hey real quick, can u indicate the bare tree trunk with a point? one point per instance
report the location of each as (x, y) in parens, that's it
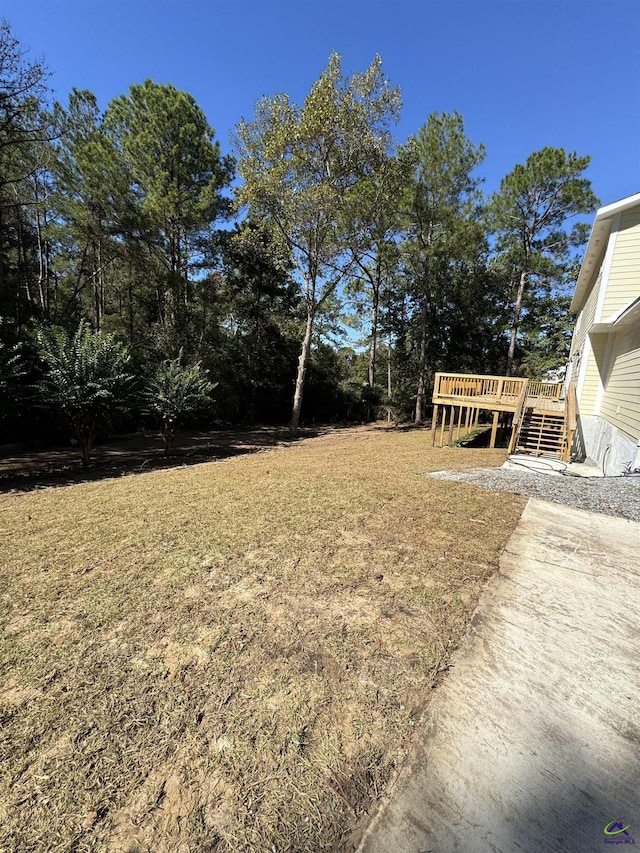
(302, 369)
(373, 344)
(422, 374)
(84, 433)
(172, 290)
(23, 273)
(100, 281)
(95, 279)
(96, 301)
(48, 277)
(169, 433)
(43, 269)
(43, 272)
(516, 321)
(389, 388)
(130, 307)
(374, 326)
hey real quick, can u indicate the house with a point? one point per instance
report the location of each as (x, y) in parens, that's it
(605, 350)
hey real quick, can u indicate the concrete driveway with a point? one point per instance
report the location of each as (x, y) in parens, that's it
(533, 741)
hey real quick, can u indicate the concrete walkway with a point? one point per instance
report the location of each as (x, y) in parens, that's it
(533, 741)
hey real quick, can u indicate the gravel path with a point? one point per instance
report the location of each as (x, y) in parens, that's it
(618, 496)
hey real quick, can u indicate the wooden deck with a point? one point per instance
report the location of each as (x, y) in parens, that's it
(497, 393)
(546, 411)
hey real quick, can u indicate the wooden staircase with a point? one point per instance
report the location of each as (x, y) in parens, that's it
(546, 433)
(542, 434)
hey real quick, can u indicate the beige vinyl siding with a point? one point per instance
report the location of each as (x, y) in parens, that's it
(585, 319)
(623, 285)
(595, 366)
(621, 400)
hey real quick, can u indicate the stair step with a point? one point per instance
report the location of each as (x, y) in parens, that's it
(542, 434)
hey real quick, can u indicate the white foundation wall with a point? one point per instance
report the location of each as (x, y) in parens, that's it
(607, 447)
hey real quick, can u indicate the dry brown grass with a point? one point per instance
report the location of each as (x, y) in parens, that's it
(232, 656)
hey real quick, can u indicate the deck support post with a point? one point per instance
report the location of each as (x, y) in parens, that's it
(504, 416)
(459, 422)
(466, 418)
(494, 429)
(434, 425)
(514, 433)
(452, 421)
(444, 421)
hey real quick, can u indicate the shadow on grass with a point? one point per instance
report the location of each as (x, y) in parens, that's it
(404, 426)
(137, 454)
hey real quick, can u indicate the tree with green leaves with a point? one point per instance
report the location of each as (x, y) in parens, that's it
(375, 219)
(299, 165)
(176, 390)
(529, 216)
(544, 338)
(27, 128)
(258, 336)
(94, 203)
(86, 377)
(179, 176)
(445, 235)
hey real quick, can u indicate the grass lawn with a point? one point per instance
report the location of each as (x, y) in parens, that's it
(232, 656)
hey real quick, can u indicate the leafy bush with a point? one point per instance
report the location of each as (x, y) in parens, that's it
(175, 391)
(86, 378)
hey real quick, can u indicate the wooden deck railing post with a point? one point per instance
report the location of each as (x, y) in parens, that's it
(437, 380)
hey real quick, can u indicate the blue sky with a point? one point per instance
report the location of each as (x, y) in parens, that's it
(524, 73)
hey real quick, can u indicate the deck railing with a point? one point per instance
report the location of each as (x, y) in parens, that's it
(549, 390)
(468, 386)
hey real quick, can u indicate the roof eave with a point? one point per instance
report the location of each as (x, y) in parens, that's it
(599, 232)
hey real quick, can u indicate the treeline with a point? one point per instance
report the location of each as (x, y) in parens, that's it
(132, 226)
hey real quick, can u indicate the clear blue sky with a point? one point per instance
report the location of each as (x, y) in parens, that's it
(524, 73)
